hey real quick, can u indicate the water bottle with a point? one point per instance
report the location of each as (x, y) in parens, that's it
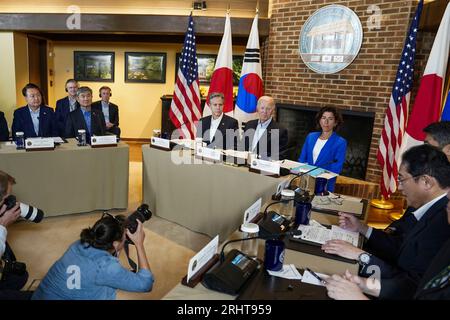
(82, 137)
(250, 247)
(286, 207)
(20, 140)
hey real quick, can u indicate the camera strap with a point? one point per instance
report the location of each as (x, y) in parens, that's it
(132, 264)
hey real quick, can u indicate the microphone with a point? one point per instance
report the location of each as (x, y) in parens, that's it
(299, 175)
(270, 236)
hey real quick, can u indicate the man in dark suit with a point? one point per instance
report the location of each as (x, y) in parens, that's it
(414, 240)
(35, 119)
(434, 285)
(110, 110)
(4, 131)
(66, 105)
(218, 130)
(85, 117)
(264, 136)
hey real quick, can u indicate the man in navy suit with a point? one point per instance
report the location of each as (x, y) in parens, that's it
(66, 105)
(264, 136)
(110, 110)
(85, 117)
(4, 131)
(410, 243)
(218, 129)
(35, 119)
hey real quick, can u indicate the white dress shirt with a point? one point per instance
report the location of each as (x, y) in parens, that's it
(35, 119)
(214, 125)
(105, 109)
(317, 148)
(259, 132)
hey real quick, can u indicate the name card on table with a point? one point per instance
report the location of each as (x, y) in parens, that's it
(208, 153)
(202, 257)
(160, 143)
(103, 141)
(252, 211)
(265, 166)
(36, 144)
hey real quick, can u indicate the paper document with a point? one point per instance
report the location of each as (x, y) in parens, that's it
(57, 140)
(336, 203)
(289, 164)
(187, 143)
(235, 153)
(321, 234)
(289, 271)
(309, 278)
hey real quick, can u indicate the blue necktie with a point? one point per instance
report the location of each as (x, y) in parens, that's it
(87, 119)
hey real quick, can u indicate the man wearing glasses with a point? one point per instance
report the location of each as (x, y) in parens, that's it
(410, 243)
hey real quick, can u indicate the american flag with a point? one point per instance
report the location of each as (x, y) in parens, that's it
(397, 112)
(185, 109)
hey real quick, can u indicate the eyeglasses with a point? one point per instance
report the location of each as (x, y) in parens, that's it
(400, 181)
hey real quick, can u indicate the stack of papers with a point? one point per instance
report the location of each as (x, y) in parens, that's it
(321, 234)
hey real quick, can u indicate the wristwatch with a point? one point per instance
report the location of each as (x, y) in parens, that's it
(364, 258)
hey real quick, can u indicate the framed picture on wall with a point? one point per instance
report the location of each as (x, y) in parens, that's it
(93, 66)
(147, 67)
(206, 64)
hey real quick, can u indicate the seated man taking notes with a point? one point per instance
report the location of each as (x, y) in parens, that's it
(409, 244)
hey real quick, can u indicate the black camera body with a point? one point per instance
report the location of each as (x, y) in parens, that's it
(27, 212)
(142, 214)
(12, 267)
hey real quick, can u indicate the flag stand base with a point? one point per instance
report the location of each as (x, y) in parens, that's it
(382, 204)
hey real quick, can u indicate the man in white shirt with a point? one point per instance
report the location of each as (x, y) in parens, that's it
(110, 110)
(264, 136)
(218, 130)
(410, 243)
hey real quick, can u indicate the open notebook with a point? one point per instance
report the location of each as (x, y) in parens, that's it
(319, 234)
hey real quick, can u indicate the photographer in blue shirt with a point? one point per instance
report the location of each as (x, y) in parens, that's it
(90, 268)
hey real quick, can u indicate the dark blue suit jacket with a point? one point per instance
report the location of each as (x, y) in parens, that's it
(75, 121)
(61, 113)
(407, 253)
(334, 149)
(22, 122)
(4, 131)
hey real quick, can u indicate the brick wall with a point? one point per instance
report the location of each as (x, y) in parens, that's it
(365, 85)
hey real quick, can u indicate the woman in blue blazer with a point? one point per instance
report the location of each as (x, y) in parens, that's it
(325, 148)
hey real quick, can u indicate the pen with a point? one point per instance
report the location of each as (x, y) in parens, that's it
(315, 275)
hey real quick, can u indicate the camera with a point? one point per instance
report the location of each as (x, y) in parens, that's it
(12, 267)
(142, 214)
(27, 212)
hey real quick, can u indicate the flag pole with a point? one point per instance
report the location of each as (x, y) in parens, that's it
(257, 7)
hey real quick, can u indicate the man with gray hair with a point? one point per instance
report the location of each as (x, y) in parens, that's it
(264, 136)
(85, 117)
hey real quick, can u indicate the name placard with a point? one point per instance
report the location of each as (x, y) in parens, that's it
(39, 144)
(208, 153)
(103, 141)
(160, 143)
(265, 166)
(202, 257)
(252, 211)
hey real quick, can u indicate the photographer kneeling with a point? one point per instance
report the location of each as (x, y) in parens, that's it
(90, 268)
(11, 280)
